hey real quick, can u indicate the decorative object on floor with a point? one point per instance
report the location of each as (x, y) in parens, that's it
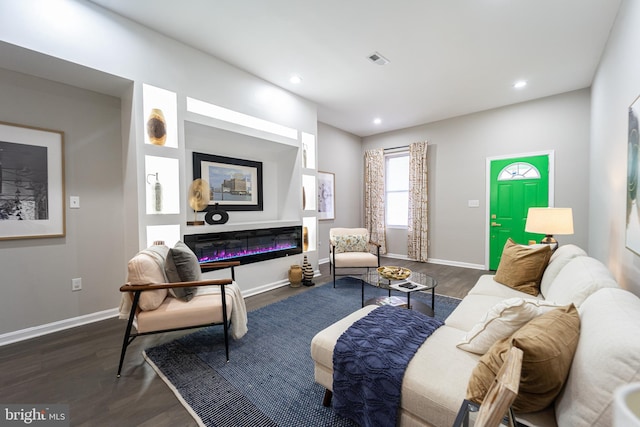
(269, 381)
(295, 276)
(157, 192)
(326, 196)
(236, 183)
(199, 195)
(394, 273)
(157, 127)
(307, 273)
(33, 203)
(216, 215)
(549, 221)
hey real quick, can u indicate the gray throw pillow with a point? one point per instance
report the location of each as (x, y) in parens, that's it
(182, 265)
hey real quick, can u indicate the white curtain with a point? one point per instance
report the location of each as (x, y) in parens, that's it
(374, 211)
(418, 206)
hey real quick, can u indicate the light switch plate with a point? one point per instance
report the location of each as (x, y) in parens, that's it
(474, 203)
(74, 202)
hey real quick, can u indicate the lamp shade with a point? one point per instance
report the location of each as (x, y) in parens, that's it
(549, 221)
(626, 406)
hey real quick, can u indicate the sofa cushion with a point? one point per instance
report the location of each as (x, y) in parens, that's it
(548, 343)
(350, 243)
(501, 321)
(145, 268)
(182, 266)
(608, 356)
(487, 286)
(558, 260)
(581, 277)
(521, 266)
(470, 311)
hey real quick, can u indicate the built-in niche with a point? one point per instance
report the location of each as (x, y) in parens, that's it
(280, 172)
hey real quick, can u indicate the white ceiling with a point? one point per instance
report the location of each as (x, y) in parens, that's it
(448, 57)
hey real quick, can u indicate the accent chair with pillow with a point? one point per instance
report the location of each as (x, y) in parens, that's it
(351, 248)
(165, 292)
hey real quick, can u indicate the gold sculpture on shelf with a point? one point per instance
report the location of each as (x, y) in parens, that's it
(199, 196)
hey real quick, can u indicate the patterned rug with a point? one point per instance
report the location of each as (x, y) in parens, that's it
(269, 378)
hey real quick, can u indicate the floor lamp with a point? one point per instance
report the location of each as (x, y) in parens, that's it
(549, 221)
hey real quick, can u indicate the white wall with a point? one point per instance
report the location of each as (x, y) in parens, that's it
(458, 151)
(340, 153)
(616, 86)
(36, 273)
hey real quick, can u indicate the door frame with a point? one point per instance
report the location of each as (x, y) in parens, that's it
(552, 172)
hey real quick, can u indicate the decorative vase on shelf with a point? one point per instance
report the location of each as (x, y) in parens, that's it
(307, 273)
(305, 238)
(157, 127)
(295, 276)
(157, 193)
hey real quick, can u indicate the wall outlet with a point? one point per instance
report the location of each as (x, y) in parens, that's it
(76, 285)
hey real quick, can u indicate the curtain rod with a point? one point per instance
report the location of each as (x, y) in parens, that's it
(399, 147)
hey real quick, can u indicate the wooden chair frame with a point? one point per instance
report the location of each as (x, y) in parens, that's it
(137, 290)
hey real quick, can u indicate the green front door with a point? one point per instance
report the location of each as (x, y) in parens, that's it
(516, 185)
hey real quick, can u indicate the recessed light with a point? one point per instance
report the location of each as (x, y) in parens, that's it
(295, 79)
(377, 120)
(520, 84)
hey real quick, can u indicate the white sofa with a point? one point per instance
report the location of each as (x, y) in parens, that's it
(607, 354)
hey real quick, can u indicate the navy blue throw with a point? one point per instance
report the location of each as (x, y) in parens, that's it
(369, 361)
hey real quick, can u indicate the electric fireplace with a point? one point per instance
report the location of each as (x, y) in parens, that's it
(246, 246)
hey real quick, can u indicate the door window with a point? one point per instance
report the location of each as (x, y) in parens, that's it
(519, 170)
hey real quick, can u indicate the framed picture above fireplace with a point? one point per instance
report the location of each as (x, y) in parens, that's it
(236, 184)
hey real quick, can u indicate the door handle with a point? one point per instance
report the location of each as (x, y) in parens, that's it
(495, 224)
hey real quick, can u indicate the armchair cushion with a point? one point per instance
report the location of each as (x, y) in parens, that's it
(146, 268)
(350, 243)
(182, 266)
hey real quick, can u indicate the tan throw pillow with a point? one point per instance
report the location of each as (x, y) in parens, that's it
(548, 343)
(521, 267)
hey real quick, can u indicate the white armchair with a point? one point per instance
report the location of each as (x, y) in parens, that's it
(351, 248)
(163, 293)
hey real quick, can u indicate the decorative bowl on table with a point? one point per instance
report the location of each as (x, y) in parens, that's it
(394, 273)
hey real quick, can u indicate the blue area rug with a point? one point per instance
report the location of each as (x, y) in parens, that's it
(269, 378)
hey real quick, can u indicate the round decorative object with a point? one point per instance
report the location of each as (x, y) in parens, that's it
(394, 273)
(157, 127)
(199, 196)
(216, 216)
(307, 273)
(295, 276)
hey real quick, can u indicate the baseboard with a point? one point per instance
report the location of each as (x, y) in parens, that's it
(457, 264)
(324, 260)
(439, 261)
(271, 286)
(37, 331)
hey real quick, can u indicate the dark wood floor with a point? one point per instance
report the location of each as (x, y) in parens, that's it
(78, 366)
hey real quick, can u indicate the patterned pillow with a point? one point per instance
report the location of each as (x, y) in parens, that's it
(350, 243)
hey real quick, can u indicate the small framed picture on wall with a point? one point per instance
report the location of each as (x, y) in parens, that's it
(326, 196)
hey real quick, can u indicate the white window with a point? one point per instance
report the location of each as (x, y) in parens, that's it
(397, 189)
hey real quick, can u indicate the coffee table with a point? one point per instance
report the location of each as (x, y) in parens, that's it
(423, 282)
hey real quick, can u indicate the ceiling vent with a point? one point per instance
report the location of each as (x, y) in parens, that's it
(376, 58)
